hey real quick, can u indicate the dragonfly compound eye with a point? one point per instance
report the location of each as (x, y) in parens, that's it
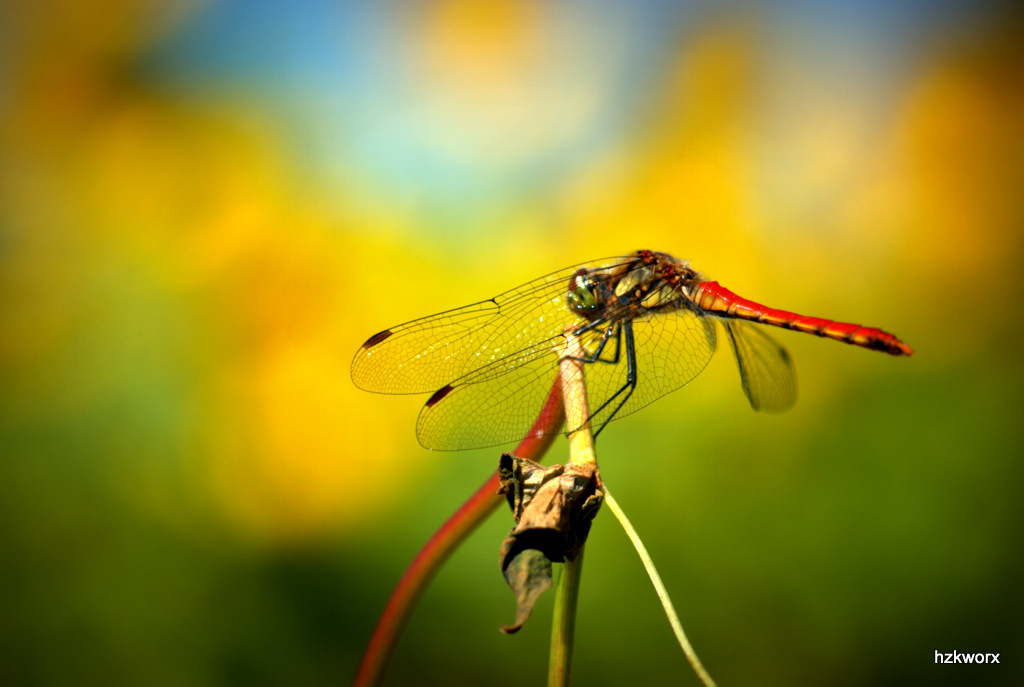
(582, 296)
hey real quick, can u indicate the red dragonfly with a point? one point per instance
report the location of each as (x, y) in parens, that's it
(646, 327)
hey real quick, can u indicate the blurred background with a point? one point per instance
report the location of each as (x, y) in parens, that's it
(206, 207)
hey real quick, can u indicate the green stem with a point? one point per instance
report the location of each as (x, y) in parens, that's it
(659, 588)
(563, 624)
(581, 452)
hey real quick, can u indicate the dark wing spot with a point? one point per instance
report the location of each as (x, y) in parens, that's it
(377, 338)
(439, 394)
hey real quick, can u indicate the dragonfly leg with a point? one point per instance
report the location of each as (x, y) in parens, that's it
(630, 384)
(595, 357)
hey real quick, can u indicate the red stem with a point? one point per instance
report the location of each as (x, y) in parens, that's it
(433, 554)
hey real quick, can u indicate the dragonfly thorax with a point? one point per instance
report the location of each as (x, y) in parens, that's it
(652, 282)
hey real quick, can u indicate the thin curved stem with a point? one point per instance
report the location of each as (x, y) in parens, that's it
(659, 588)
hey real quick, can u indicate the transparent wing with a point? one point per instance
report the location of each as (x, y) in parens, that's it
(423, 355)
(672, 347)
(766, 370)
(495, 404)
(489, 406)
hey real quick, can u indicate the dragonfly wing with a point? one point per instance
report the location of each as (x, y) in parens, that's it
(423, 355)
(766, 370)
(672, 347)
(495, 404)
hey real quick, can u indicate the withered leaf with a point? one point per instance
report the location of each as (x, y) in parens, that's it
(529, 576)
(554, 507)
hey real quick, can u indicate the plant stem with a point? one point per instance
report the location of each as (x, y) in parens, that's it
(581, 452)
(574, 396)
(563, 624)
(418, 575)
(659, 588)
(436, 551)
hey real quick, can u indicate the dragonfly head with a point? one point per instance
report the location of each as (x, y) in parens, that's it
(583, 296)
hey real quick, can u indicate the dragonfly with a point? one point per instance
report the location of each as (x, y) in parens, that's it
(647, 324)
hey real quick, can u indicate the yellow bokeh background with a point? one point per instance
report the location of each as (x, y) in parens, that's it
(205, 210)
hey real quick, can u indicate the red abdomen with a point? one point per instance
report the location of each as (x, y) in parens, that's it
(713, 298)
